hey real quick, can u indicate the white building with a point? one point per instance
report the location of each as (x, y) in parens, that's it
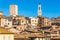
(5, 23)
(34, 21)
(6, 35)
(8, 23)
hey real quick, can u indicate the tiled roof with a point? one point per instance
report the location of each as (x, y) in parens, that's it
(2, 16)
(4, 31)
(27, 35)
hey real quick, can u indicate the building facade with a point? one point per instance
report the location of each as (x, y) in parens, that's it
(6, 35)
(8, 23)
(34, 21)
(13, 10)
(2, 20)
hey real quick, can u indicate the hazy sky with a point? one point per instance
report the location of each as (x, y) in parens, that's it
(50, 8)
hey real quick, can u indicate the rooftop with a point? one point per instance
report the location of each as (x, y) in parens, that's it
(4, 31)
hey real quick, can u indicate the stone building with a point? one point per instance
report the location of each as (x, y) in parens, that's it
(55, 21)
(44, 21)
(13, 10)
(2, 19)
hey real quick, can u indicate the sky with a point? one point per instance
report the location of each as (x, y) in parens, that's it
(50, 8)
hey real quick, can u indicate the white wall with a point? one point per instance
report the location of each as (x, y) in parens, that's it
(6, 37)
(8, 23)
(3, 22)
(34, 21)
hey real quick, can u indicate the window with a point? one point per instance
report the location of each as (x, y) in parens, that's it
(40, 38)
(32, 20)
(22, 21)
(48, 38)
(28, 27)
(5, 25)
(8, 37)
(8, 23)
(3, 37)
(35, 20)
(44, 38)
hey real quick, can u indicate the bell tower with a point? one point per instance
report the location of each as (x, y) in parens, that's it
(39, 10)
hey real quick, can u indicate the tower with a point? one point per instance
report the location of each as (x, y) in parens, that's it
(39, 10)
(13, 10)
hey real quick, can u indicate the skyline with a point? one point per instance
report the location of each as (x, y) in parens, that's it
(50, 8)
